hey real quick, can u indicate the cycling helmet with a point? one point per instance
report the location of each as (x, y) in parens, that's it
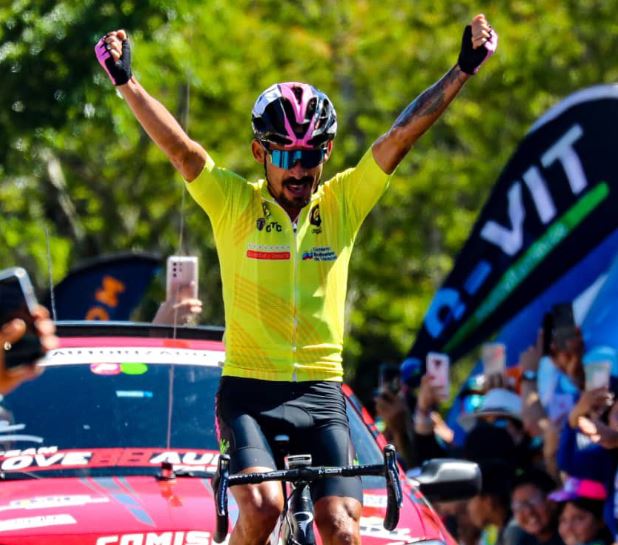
(294, 115)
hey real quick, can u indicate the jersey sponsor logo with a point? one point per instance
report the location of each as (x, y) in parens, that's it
(320, 253)
(263, 223)
(272, 227)
(269, 252)
(315, 219)
(266, 210)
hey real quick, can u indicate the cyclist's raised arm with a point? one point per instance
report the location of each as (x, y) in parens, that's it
(113, 52)
(478, 44)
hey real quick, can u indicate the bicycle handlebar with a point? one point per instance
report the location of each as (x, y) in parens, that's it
(223, 480)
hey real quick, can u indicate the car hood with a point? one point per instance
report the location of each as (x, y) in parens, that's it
(143, 510)
(101, 510)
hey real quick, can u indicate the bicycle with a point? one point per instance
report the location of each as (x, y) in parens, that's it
(296, 520)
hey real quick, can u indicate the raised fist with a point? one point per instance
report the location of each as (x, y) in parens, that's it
(113, 52)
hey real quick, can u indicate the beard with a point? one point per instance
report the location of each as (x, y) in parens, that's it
(295, 193)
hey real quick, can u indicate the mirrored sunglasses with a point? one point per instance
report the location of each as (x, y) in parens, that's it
(286, 159)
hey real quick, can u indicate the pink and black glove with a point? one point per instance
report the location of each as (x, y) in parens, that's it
(471, 59)
(120, 71)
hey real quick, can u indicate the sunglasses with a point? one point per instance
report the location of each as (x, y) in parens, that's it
(286, 159)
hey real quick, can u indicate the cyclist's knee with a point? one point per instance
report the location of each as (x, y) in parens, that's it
(338, 520)
(260, 506)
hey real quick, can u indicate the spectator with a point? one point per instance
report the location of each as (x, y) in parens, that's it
(420, 435)
(544, 411)
(182, 310)
(595, 459)
(10, 333)
(457, 521)
(581, 514)
(501, 408)
(394, 412)
(534, 513)
(490, 510)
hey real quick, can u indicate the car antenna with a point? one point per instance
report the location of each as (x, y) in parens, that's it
(52, 296)
(184, 123)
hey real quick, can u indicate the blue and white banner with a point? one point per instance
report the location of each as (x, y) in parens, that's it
(553, 204)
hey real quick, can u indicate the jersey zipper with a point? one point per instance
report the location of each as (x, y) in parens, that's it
(295, 295)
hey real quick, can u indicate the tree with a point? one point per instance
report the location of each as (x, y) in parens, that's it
(74, 163)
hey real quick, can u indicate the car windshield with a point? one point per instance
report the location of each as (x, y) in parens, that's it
(90, 406)
(76, 406)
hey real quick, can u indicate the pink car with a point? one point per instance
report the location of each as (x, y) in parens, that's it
(86, 449)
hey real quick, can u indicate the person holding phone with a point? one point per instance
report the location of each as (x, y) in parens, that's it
(560, 347)
(182, 305)
(284, 245)
(10, 333)
(413, 424)
(180, 308)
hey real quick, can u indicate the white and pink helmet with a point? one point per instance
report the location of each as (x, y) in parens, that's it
(294, 115)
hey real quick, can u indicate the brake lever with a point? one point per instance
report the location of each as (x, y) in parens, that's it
(220, 484)
(394, 495)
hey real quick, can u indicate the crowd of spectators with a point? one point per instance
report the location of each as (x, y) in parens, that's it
(545, 437)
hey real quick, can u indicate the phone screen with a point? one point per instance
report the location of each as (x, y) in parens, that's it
(17, 301)
(493, 356)
(564, 324)
(437, 365)
(390, 378)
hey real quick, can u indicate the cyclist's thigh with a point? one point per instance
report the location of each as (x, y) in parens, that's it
(332, 446)
(240, 434)
(328, 440)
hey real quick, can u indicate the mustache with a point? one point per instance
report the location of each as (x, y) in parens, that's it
(305, 180)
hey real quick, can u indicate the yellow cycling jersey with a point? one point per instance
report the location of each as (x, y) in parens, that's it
(284, 289)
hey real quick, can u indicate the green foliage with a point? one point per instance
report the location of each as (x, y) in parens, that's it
(74, 162)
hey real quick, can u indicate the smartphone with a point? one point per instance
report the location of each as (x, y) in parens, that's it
(181, 272)
(389, 379)
(17, 300)
(493, 356)
(564, 324)
(597, 374)
(437, 367)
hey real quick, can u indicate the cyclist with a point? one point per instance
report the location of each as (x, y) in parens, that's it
(284, 245)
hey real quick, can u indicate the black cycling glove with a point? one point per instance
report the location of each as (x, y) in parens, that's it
(119, 72)
(471, 59)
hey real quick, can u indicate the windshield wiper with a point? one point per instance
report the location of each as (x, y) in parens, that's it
(10, 475)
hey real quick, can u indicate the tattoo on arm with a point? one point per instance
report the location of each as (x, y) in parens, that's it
(430, 102)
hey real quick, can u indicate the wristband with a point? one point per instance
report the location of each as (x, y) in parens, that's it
(120, 71)
(471, 59)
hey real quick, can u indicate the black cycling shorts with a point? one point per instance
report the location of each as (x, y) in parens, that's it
(250, 413)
